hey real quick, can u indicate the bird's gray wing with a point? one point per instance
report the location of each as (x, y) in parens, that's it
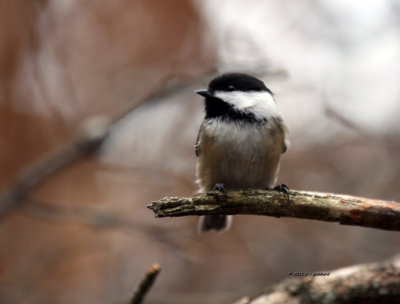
(283, 133)
(197, 144)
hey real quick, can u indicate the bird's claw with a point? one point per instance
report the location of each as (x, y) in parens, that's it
(220, 187)
(282, 188)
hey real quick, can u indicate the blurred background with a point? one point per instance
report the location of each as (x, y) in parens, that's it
(74, 227)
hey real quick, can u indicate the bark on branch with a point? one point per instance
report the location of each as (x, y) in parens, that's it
(145, 284)
(344, 209)
(366, 283)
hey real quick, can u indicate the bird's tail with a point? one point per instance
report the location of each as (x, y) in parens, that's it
(217, 222)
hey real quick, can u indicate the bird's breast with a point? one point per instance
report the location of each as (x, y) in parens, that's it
(240, 155)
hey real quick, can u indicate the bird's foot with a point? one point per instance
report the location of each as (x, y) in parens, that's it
(220, 187)
(282, 188)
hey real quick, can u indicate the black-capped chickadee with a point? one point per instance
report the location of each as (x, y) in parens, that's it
(240, 140)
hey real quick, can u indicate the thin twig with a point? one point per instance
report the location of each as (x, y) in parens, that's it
(145, 284)
(345, 209)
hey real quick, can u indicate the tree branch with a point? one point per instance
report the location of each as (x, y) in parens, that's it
(92, 133)
(365, 283)
(345, 209)
(145, 284)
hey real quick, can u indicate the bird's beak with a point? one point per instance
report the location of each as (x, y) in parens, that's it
(204, 93)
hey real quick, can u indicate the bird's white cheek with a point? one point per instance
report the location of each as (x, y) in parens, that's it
(261, 104)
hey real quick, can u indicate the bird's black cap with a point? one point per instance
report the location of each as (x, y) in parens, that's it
(237, 82)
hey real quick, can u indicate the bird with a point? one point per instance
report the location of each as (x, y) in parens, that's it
(240, 140)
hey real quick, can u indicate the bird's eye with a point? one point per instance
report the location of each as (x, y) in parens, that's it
(231, 88)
